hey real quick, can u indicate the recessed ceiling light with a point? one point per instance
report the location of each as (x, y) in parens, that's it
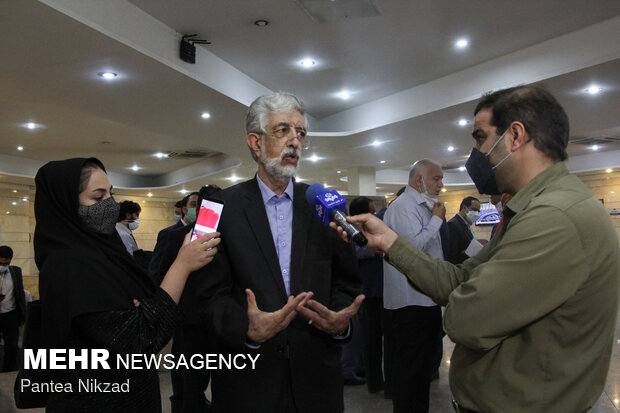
(149, 194)
(444, 190)
(135, 168)
(594, 147)
(463, 122)
(261, 22)
(462, 43)
(593, 90)
(314, 158)
(344, 95)
(382, 161)
(609, 170)
(461, 168)
(13, 203)
(234, 178)
(25, 199)
(31, 125)
(376, 143)
(107, 75)
(160, 155)
(450, 148)
(20, 148)
(338, 172)
(205, 115)
(15, 191)
(184, 191)
(8, 212)
(307, 62)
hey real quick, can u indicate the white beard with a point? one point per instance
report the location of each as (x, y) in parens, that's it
(274, 168)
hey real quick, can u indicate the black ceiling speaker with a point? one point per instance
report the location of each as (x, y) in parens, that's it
(187, 52)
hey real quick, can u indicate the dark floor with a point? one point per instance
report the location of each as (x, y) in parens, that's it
(358, 400)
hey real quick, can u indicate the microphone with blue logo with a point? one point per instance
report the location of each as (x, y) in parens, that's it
(331, 206)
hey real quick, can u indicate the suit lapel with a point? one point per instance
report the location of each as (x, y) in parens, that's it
(254, 209)
(301, 223)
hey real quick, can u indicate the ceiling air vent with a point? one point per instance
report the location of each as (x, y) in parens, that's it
(322, 11)
(190, 154)
(594, 140)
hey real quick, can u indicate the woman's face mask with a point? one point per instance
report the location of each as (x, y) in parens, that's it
(100, 217)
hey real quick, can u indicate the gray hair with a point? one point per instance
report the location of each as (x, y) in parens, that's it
(419, 167)
(281, 102)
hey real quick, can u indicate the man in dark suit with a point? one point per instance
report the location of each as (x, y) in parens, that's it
(190, 337)
(155, 265)
(461, 234)
(12, 307)
(288, 285)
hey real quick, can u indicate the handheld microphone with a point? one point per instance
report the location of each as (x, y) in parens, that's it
(331, 206)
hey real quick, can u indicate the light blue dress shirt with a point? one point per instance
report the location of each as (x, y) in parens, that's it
(279, 210)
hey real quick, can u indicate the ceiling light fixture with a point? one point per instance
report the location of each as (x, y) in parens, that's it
(338, 172)
(261, 22)
(462, 43)
(25, 199)
(13, 203)
(149, 195)
(234, 178)
(444, 190)
(609, 170)
(463, 122)
(461, 168)
(376, 143)
(314, 158)
(107, 75)
(135, 168)
(15, 191)
(593, 90)
(307, 62)
(31, 125)
(205, 115)
(160, 155)
(20, 148)
(382, 161)
(450, 148)
(594, 147)
(184, 191)
(344, 95)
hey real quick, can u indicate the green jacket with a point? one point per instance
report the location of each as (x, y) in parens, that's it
(533, 315)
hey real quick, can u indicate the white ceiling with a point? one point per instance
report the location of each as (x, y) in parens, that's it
(408, 83)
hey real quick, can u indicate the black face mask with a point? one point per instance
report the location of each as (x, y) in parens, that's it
(100, 217)
(482, 171)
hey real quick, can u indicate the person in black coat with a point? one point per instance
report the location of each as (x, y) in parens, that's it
(288, 284)
(12, 307)
(461, 234)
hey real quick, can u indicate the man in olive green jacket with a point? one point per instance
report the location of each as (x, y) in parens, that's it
(533, 314)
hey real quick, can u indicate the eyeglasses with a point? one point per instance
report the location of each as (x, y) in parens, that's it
(284, 130)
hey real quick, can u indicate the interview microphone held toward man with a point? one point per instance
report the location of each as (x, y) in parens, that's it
(331, 206)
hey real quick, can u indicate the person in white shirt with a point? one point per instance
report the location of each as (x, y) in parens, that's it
(416, 319)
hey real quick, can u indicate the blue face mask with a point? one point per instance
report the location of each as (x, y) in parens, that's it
(482, 171)
(190, 217)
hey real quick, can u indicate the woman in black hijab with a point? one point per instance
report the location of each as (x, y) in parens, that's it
(93, 295)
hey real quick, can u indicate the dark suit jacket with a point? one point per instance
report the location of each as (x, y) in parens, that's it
(18, 292)
(155, 264)
(460, 237)
(300, 357)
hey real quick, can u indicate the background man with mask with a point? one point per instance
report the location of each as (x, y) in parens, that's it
(128, 221)
(533, 315)
(12, 307)
(416, 318)
(461, 235)
(288, 284)
(155, 266)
